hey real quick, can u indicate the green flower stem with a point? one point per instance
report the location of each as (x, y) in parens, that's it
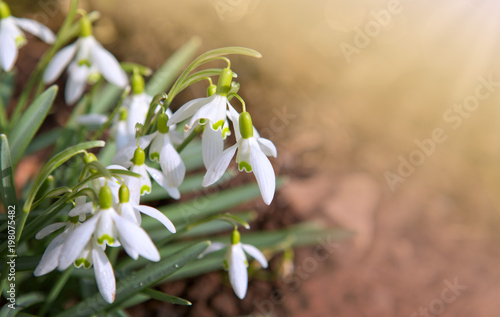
(190, 138)
(106, 125)
(56, 290)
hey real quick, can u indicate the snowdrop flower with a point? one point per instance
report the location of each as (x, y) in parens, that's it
(87, 60)
(212, 112)
(143, 184)
(235, 261)
(130, 213)
(252, 156)
(50, 258)
(12, 38)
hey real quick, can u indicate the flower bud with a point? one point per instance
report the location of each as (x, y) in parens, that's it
(224, 83)
(246, 126)
(105, 197)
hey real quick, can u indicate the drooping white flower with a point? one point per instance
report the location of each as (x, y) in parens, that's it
(137, 165)
(87, 59)
(252, 156)
(12, 37)
(210, 111)
(235, 261)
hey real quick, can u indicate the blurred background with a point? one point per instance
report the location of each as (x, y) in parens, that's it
(385, 117)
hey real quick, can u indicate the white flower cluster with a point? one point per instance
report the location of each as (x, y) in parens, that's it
(114, 218)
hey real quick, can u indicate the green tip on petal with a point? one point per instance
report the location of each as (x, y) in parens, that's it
(4, 10)
(246, 126)
(105, 237)
(145, 189)
(218, 124)
(155, 156)
(162, 123)
(244, 166)
(235, 237)
(74, 219)
(85, 26)
(89, 157)
(82, 262)
(124, 194)
(212, 89)
(137, 83)
(224, 83)
(139, 156)
(105, 197)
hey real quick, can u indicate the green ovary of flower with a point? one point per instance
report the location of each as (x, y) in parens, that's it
(246, 126)
(139, 157)
(137, 83)
(105, 197)
(89, 157)
(105, 237)
(212, 89)
(85, 27)
(124, 194)
(224, 83)
(4, 10)
(235, 237)
(162, 123)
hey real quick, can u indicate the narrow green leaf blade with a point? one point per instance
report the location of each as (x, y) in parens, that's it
(21, 303)
(137, 281)
(165, 297)
(25, 129)
(7, 187)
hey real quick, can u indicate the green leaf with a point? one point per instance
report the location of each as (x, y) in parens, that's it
(43, 140)
(25, 129)
(7, 187)
(6, 91)
(135, 282)
(165, 297)
(166, 74)
(21, 303)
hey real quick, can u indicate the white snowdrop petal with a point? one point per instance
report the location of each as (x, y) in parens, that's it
(264, 173)
(238, 275)
(50, 258)
(213, 111)
(76, 241)
(58, 63)
(268, 147)
(163, 182)
(256, 254)
(92, 119)
(81, 209)
(108, 66)
(158, 215)
(213, 247)
(104, 274)
(126, 153)
(37, 29)
(173, 192)
(49, 229)
(136, 238)
(219, 166)
(156, 146)
(8, 51)
(172, 165)
(76, 83)
(212, 145)
(187, 110)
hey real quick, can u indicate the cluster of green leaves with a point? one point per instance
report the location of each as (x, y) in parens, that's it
(47, 198)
